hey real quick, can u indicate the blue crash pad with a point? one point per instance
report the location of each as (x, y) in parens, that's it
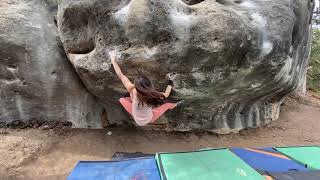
(267, 160)
(129, 169)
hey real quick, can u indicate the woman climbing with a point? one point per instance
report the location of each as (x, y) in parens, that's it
(143, 96)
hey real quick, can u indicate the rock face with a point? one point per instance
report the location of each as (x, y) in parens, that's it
(236, 59)
(37, 82)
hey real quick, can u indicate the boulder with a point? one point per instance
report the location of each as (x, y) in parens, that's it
(37, 81)
(236, 59)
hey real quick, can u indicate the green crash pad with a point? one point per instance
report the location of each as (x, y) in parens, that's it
(217, 164)
(309, 155)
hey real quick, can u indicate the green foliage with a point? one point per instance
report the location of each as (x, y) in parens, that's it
(313, 81)
(316, 21)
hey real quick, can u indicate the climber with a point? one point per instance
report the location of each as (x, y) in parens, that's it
(143, 96)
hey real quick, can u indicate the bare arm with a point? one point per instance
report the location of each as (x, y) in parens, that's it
(168, 91)
(171, 77)
(125, 81)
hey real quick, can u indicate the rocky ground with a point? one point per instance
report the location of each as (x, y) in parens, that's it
(51, 154)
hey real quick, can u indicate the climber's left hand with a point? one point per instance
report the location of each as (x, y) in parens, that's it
(112, 55)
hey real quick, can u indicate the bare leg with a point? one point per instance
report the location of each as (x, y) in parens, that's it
(159, 111)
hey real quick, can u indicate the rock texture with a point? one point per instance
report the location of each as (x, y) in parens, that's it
(37, 81)
(236, 59)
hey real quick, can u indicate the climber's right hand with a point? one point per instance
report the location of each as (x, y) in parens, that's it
(171, 76)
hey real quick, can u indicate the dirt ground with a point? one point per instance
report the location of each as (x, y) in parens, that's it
(52, 154)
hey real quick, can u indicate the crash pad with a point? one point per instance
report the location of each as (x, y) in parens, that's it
(267, 160)
(218, 164)
(291, 175)
(129, 169)
(306, 155)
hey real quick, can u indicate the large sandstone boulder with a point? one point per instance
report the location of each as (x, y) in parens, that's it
(236, 59)
(37, 81)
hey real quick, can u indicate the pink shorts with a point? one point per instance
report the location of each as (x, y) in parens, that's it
(157, 112)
